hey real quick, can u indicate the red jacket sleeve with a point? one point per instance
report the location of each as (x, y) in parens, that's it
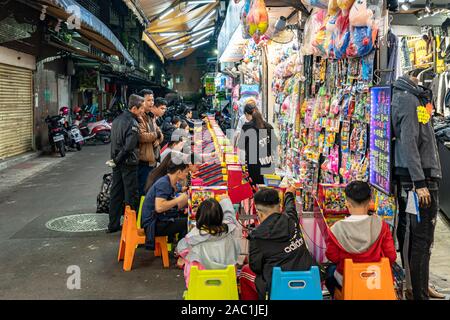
(333, 250)
(387, 245)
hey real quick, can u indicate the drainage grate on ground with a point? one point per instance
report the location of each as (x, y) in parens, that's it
(86, 222)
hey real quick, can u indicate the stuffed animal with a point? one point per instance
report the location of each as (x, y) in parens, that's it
(312, 26)
(320, 40)
(343, 35)
(345, 5)
(323, 4)
(244, 15)
(332, 7)
(258, 19)
(330, 35)
(361, 41)
(360, 14)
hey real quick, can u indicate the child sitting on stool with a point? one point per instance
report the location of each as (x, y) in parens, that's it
(276, 242)
(360, 237)
(214, 243)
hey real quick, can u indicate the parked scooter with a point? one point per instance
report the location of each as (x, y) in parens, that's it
(95, 131)
(56, 134)
(75, 139)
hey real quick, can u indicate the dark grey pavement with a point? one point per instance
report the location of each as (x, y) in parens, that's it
(34, 259)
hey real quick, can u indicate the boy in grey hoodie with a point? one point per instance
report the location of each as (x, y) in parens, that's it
(360, 237)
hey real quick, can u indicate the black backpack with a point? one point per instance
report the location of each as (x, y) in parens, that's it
(104, 195)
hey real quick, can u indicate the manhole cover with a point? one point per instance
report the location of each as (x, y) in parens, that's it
(86, 222)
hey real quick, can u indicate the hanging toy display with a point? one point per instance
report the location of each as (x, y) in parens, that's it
(333, 7)
(345, 5)
(258, 20)
(323, 4)
(244, 15)
(312, 26)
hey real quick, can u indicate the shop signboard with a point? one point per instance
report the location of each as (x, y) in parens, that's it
(210, 86)
(380, 138)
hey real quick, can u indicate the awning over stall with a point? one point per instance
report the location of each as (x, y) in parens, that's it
(177, 28)
(67, 8)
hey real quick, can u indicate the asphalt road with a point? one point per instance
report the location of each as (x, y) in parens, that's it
(35, 260)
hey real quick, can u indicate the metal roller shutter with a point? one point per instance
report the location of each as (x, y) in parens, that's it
(16, 110)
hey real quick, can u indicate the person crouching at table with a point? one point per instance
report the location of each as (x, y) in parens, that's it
(162, 211)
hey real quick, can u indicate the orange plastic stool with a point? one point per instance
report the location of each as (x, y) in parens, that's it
(367, 281)
(161, 250)
(130, 238)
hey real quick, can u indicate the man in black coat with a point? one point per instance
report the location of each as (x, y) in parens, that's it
(125, 155)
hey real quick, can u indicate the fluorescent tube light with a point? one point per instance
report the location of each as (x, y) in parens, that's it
(177, 54)
(204, 20)
(201, 1)
(202, 37)
(168, 34)
(178, 47)
(202, 31)
(172, 42)
(165, 14)
(199, 44)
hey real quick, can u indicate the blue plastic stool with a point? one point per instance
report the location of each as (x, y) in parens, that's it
(296, 285)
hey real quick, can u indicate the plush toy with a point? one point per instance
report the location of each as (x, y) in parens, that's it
(258, 19)
(340, 37)
(345, 5)
(332, 7)
(361, 41)
(244, 15)
(313, 24)
(343, 39)
(360, 14)
(323, 4)
(330, 36)
(320, 41)
(286, 104)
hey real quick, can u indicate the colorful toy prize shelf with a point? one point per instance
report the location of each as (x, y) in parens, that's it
(221, 174)
(329, 207)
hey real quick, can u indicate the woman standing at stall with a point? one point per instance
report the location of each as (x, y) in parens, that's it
(259, 142)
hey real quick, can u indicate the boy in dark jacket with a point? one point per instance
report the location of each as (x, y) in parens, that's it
(276, 242)
(360, 237)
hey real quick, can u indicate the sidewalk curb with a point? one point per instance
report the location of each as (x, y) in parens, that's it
(8, 163)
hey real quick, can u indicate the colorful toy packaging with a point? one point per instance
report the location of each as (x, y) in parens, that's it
(258, 20)
(199, 194)
(332, 198)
